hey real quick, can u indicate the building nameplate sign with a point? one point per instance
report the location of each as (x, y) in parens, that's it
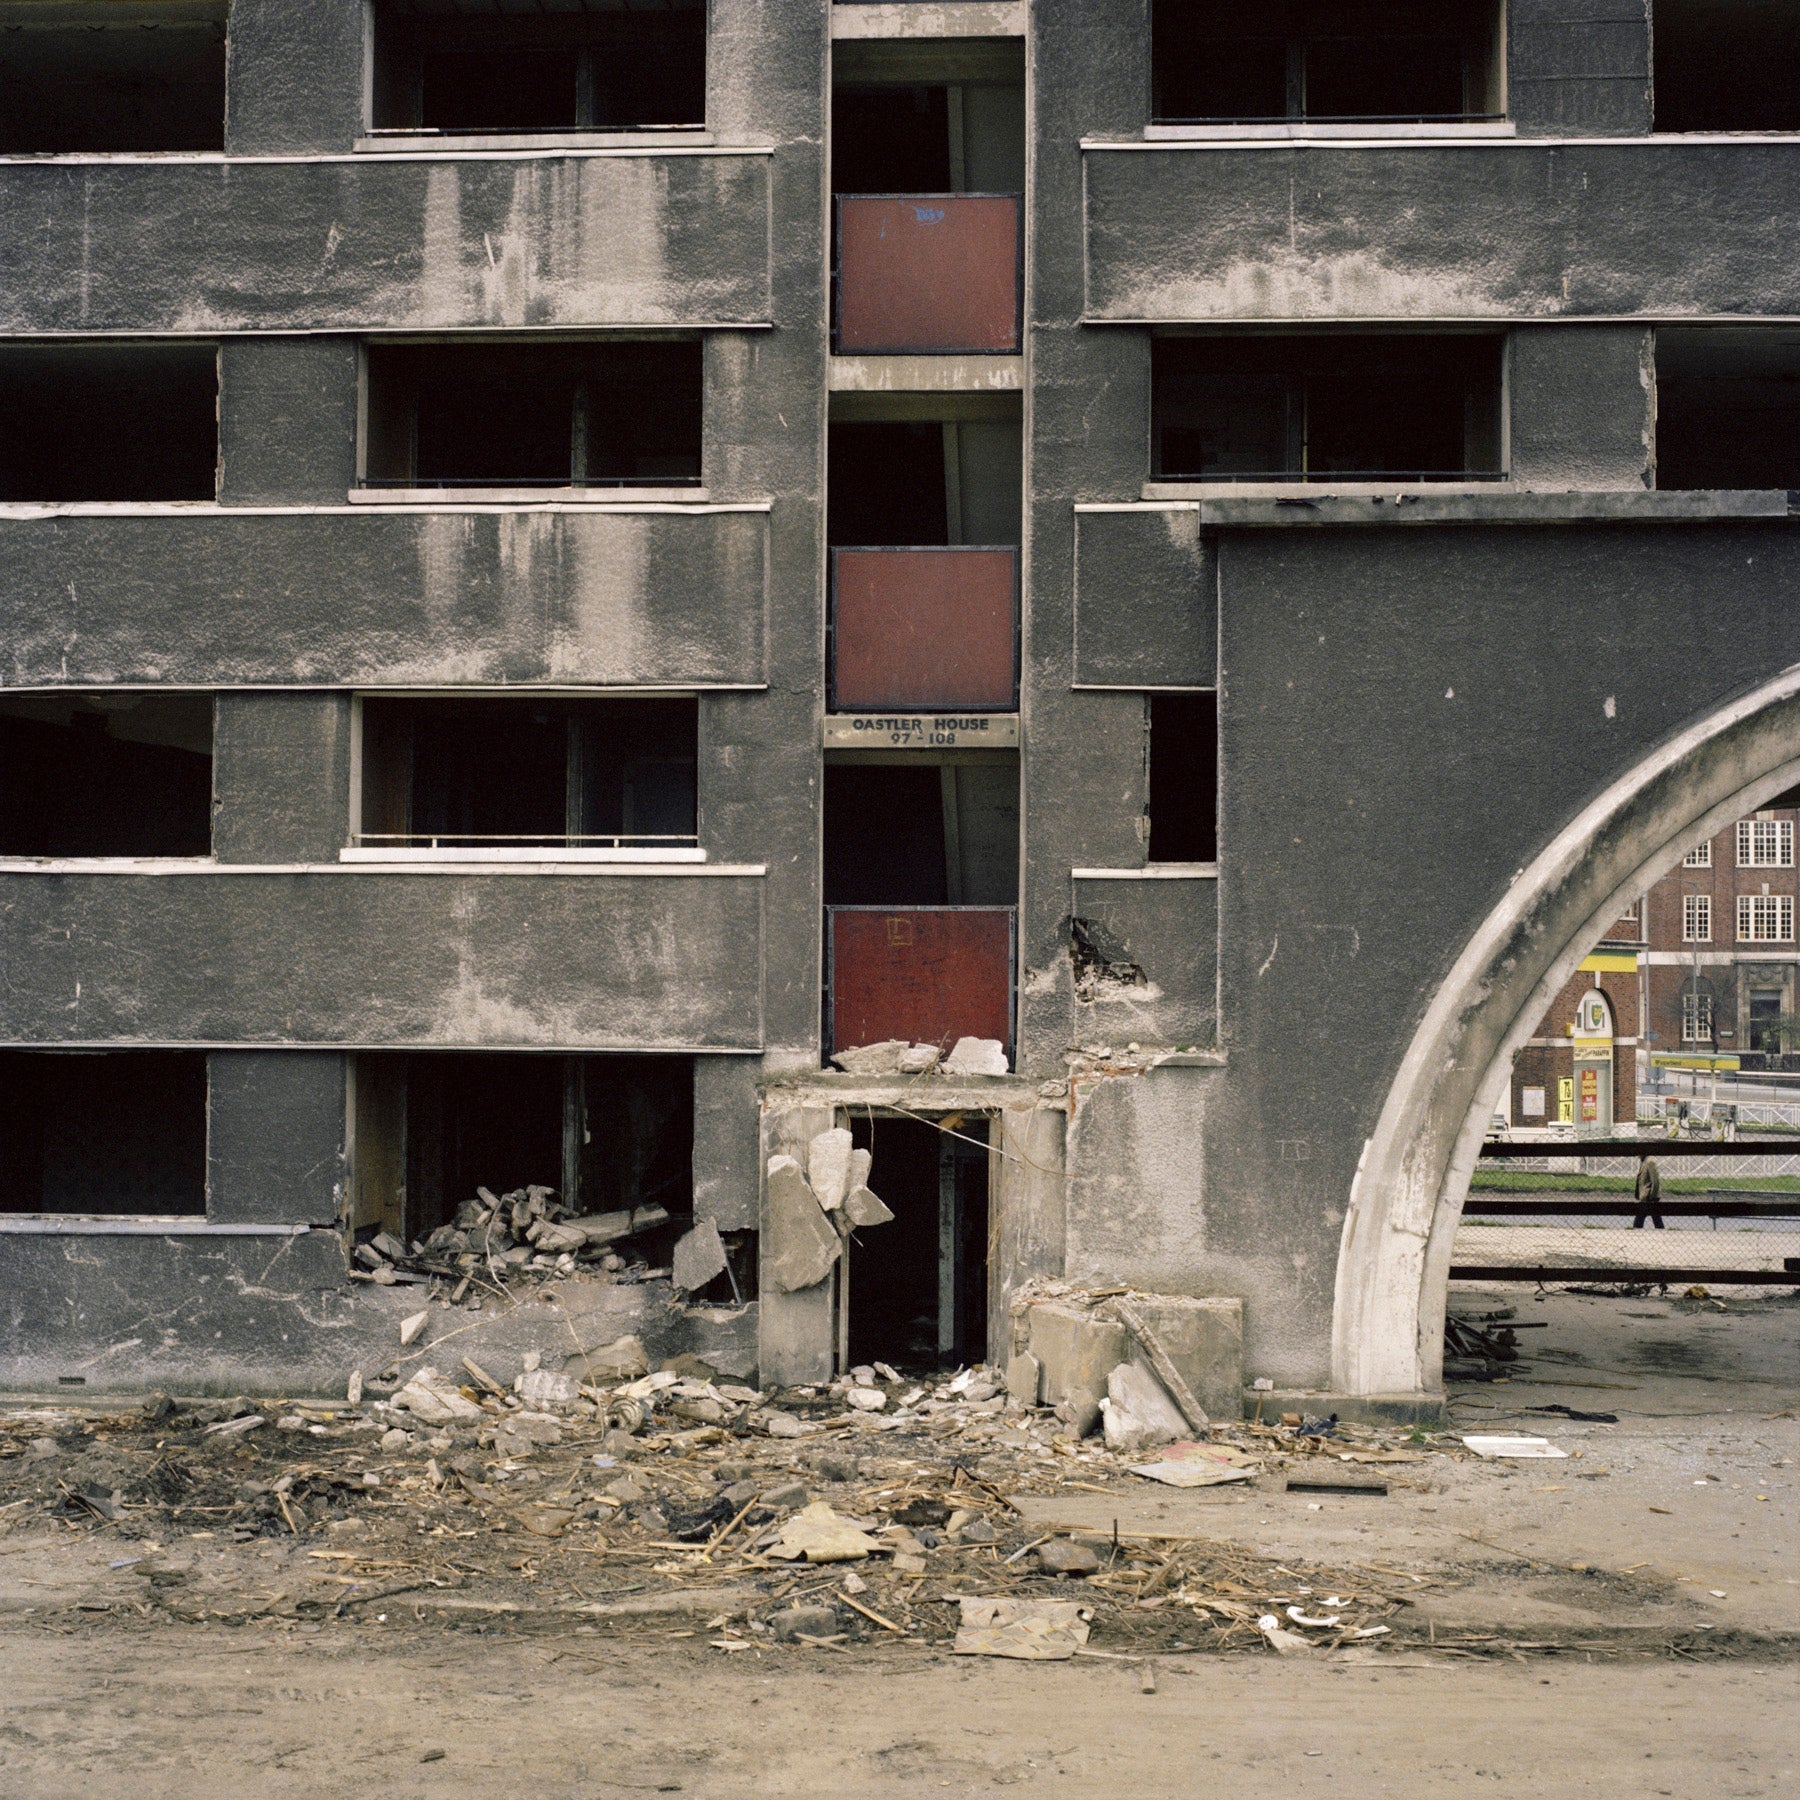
(921, 731)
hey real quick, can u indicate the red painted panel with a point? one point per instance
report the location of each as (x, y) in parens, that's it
(928, 273)
(923, 628)
(926, 974)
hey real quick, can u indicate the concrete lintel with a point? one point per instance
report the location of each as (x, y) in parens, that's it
(1426, 1409)
(936, 19)
(927, 374)
(1396, 506)
(907, 1093)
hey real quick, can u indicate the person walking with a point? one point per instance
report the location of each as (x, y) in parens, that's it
(1649, 1194)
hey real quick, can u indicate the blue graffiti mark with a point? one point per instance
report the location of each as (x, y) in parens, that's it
(928, 215)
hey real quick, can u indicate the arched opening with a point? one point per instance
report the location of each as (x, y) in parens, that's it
(1407, 1198)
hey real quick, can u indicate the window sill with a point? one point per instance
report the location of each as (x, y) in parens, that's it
(614, 498)
(1199, 871)
(406, 855)
(104, 865)
(1301, 491)
(1352, 131)
(680, 137)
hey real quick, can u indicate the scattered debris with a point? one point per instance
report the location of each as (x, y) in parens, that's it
(1029, 1630)
(1514, 1448)
(1185, 1465)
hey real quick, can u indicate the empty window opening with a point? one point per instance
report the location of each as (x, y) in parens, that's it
(1327, 407)
(1323, 60)
(100, 77)
(110, 1133)
(931, 481)
(108, 422)
(541, 415)
(607, 1134)
(916, 1288)
(1728, 407)
(1184, 778)
(518, 773)
(1726, 65)
(918, 831)
(582, 67)
(106, 775)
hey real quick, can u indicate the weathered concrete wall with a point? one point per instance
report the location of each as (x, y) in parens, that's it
(1583, 403)
(1155, 977)
(354, 957)
(416, 243)
(275, 1152)
(281, 777)
(288, 90)
(1574, 68)
(439, 596)
(287, 420)
(1145, 587)
(1493, 229)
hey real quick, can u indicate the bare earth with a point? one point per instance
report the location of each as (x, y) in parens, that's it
(1620, 1621)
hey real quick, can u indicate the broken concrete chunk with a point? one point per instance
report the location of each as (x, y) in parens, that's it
(861, 1162)
(699, 1256)
(1077, 1352)
(976, 1056)
(788, 1493)
(353, 1388)
(1023, 1377)
(555, 1240)
(436, 1399)
(803, 1621)
(1204, 1339)
(871, 1059)
(866, 1399)
(799, 1245)
(412, 1329)
(604, 1228)
(1138, 1411)
(828, 1167)
(919, 1059)
(621, 1360)
(1063, 1556)
(544, 1387)
(384, 1243)
(863, 1208)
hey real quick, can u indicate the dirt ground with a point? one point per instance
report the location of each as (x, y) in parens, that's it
(1621, 1619)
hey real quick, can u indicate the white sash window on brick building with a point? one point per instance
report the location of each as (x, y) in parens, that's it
(1765, 843)
(1765, 918)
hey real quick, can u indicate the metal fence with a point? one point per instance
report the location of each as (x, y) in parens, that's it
(1575, 1219)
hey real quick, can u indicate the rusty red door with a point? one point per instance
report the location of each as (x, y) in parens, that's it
(926, 974)
(928, 273)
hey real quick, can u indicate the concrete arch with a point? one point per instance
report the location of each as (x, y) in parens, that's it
(1407, 1196)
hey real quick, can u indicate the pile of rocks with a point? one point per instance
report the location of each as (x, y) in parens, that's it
(526, 1232)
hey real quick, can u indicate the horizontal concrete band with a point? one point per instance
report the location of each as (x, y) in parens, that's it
(351, 597)
(405, 242)
(48, 1226)
(1477, 230)
(383, 961)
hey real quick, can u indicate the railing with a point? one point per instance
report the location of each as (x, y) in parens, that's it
(476, 846)
(929, 274)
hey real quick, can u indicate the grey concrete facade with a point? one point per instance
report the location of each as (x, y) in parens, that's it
(1453, 721)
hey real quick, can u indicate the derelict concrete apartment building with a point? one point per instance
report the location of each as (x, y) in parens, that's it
(560, 565)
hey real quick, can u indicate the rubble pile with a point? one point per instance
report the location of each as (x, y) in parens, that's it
(527, 1232)
(880, 1506)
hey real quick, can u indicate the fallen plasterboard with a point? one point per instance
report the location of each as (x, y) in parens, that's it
(1028, 1630)
(1197, 1465)
(1512, 1447)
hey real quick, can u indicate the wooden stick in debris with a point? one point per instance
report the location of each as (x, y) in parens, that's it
(483, 1377)
(868, 1612)
(1163, 1364)
(724, 1532)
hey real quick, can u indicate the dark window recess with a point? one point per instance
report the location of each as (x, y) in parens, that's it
(605, 1132)
(917, 833)
(584, 67)
(890, 140)
(120, 1132)
(1184, 778)
(898, 482)
(529, 772)
(918, 1284)
(118, 775)
(470, 415)
(108, 422)
(131, 77)
(1728, 408)
(1727, 65)
(1298, 408)
(1213, 61)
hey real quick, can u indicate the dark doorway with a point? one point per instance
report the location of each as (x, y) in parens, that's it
(917, 1287)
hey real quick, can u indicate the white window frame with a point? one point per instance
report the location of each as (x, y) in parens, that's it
(1700, 857)
(1696, 918)
(1765, 843)
(1765, 918)
(1696, 1017)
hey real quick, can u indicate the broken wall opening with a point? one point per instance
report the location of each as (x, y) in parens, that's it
(585, 66)
(106, 775)
(1728, 407)
(104, 78)
(108, 422)
(924, 469)
(1240, 406)
(1182, 752)
(606, 1132)
(1214, 62)
(1726, 65)
(110, 1133)
(916, 1287)
(498, 772)
(618, 414)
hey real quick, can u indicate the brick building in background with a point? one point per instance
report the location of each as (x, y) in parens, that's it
(1580, 1067)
